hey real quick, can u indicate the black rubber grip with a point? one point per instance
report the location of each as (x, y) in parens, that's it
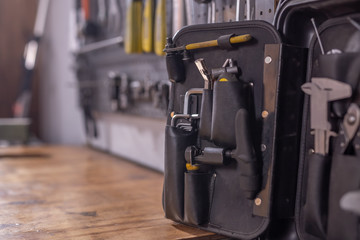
(224, 41)
(175, 67)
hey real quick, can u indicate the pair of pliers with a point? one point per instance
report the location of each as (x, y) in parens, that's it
(349, 133)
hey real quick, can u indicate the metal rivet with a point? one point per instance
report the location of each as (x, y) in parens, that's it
(263, 147)
(357, 146)
(268, 60)
(351, 119)
(214, 175)
(257, 201)
(342, 144)
(311, 151)
(265, 114)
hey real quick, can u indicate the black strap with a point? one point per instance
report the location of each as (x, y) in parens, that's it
(224, 41)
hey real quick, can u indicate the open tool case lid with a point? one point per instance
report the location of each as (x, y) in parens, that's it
(229, 211)
(323, 180)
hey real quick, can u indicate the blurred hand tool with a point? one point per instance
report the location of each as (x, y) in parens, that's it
(91, 28)
(250, 9)
(211, 43)
(133, 27)
(22, 104)
(148, 26)
(114, 17)
(178, 15)
(160, 27)
(240, 10)
(190, 12)
(100, 45)
(101, 13)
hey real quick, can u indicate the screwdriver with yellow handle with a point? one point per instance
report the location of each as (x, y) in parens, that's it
(160, 27)
(132, 43)
(148, 26)
(211, 43)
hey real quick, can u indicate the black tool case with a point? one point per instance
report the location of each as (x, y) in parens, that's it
(214, 197)
(232, 152)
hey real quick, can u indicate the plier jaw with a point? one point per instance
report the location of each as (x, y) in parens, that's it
(349, 134)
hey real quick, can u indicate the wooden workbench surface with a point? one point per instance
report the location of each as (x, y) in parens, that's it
(79, 193)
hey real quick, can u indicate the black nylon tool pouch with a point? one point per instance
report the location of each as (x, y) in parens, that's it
(224, 177)
(324, 181)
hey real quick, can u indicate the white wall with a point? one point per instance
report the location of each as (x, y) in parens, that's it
(61, 119)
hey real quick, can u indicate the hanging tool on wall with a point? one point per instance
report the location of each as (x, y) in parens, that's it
(133, 36)
(148, 26)
(160, 27)
(114, 17)
(22, 104)
(100, 45)
(91, 29)
(190, 12)
(178, 15)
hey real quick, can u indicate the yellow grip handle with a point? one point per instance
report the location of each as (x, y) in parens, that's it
(132, 43)
(148, 26)
(190, 167)
(160, 27)
(214, 43)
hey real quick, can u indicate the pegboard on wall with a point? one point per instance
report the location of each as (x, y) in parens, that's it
(110, 80)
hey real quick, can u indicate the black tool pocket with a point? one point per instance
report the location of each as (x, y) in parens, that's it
(198, 192)
(345, 178)
(229, 97)
(176, 141)
(315, 208)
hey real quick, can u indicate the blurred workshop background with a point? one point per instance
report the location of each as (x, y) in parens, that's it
(100, 75)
